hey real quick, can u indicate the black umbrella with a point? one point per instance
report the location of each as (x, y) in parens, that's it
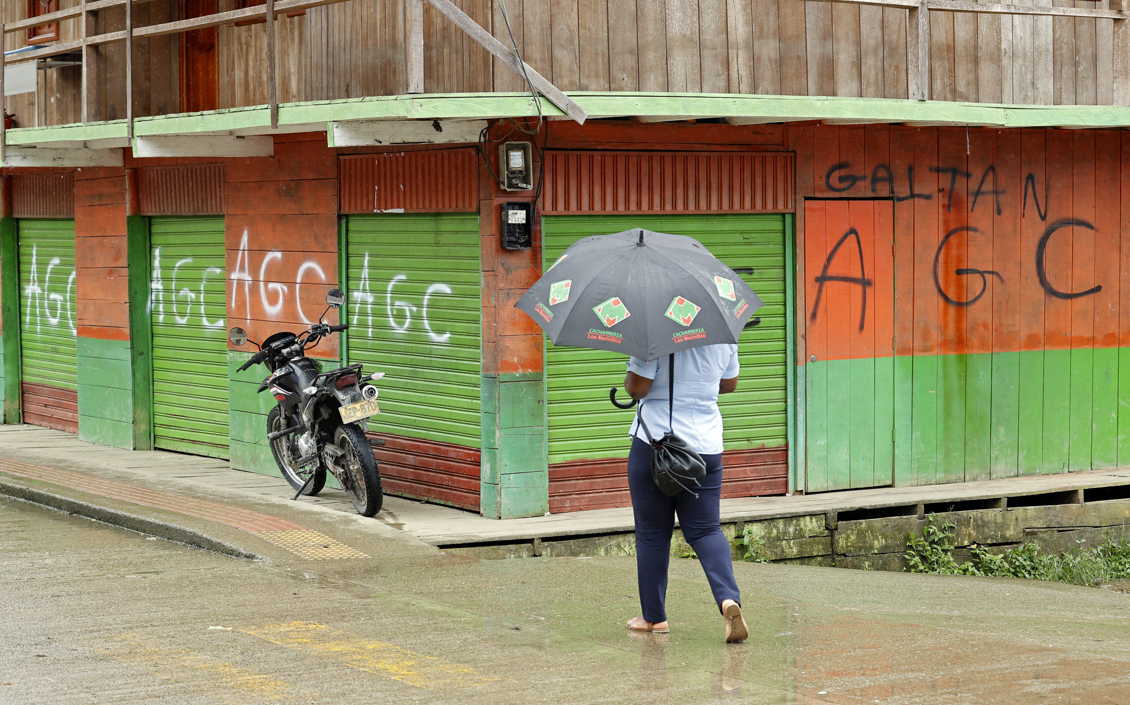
(640, 293)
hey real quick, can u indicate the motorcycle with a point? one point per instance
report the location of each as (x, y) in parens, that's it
(321, 418)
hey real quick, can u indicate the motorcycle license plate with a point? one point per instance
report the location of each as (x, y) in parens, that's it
(358, 411)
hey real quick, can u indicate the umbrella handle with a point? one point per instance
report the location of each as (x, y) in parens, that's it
(618, 405)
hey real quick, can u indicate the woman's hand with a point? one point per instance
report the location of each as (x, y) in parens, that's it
(637, 387)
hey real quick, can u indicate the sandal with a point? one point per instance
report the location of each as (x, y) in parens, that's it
(638, 624)
(736, 628)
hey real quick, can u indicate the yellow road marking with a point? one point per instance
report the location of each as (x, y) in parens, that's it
(373, 656)
(310, 544)
(161, 658)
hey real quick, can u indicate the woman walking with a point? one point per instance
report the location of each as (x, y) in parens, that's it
(701, 374)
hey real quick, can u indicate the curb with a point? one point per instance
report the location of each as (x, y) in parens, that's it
(152, 527)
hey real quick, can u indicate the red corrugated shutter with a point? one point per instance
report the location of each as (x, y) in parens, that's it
(196, 189)
(435, 181)
(665, 182)
(43, 195)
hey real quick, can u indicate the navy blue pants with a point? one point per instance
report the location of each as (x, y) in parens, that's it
(655, 522)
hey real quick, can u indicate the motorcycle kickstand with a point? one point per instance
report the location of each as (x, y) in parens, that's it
(303, 488)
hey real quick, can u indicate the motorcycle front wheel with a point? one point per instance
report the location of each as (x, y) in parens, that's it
(360, 478)
(285, 450)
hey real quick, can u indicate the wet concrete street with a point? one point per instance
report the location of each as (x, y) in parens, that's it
(97, 614)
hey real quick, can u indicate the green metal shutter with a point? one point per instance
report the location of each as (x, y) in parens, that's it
(190, 352)
(414, 313)
(48, 323)
(582, 422)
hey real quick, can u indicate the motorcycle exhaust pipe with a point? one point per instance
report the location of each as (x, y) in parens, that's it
(275, 435)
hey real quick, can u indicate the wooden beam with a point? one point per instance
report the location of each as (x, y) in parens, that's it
(272, 88)
(414, 45)
(40, 157)
(767, 120)
(158, 146)
(129, 70)
(507, 56)
(3, 100)
(52, 50)
(918, 53)
(990, 8)
(995, 8)
(61, 15)
(368, 133)
(1121, 55)
(89, 64)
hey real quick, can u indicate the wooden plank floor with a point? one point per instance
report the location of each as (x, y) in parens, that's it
(441, 526)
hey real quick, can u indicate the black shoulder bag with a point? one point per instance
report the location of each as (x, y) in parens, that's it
(675, 466)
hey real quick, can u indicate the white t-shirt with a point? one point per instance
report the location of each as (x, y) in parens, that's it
(695, 413)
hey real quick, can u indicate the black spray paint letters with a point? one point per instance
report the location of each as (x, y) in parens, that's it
(1041, 269)
(861, 280)
(966, 271)
(1041, 259)
(840, 179)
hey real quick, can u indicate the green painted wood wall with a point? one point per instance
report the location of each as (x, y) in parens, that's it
(1009, 314)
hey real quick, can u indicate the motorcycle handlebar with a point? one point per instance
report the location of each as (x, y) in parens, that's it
(255, 360)
(337, 329)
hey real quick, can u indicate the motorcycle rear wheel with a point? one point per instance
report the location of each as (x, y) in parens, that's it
(285, 454)
(361, 480)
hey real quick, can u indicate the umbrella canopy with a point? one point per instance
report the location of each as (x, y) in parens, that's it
(640, 293)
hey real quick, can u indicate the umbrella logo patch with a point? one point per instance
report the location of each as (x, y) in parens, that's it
(611, 311)
(682, 311)
(725, 288)
(559, 292)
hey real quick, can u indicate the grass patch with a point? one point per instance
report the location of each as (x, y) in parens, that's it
(750, 546)
(932, 552)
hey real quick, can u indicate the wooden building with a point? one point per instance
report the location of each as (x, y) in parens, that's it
(927, 195)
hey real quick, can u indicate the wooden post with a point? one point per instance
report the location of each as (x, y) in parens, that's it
(918, 52)
(89, 66)
(1121, 55)
(129, 71)
(272, 88)
(3, 100)
(414, 45)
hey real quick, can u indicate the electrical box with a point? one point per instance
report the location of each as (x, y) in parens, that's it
(517, 225)
(515, 160)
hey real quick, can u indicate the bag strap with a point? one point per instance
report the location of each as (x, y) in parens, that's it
(639, 420)
(671, 392)
(670, 402)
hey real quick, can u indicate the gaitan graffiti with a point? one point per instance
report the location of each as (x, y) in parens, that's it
(184, 297)
(51, 301)
(862, 280)
(967, 271)
(842, 177)
(401, 314)
(273, 296)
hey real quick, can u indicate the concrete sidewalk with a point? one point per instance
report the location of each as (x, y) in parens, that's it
(204, 496)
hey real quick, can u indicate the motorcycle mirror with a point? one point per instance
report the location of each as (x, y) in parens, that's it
(237, 337)
(336, 299)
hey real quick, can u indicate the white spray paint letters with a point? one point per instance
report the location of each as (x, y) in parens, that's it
(50, 303)
(186, 299)
(273, 296)
(402, 315)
